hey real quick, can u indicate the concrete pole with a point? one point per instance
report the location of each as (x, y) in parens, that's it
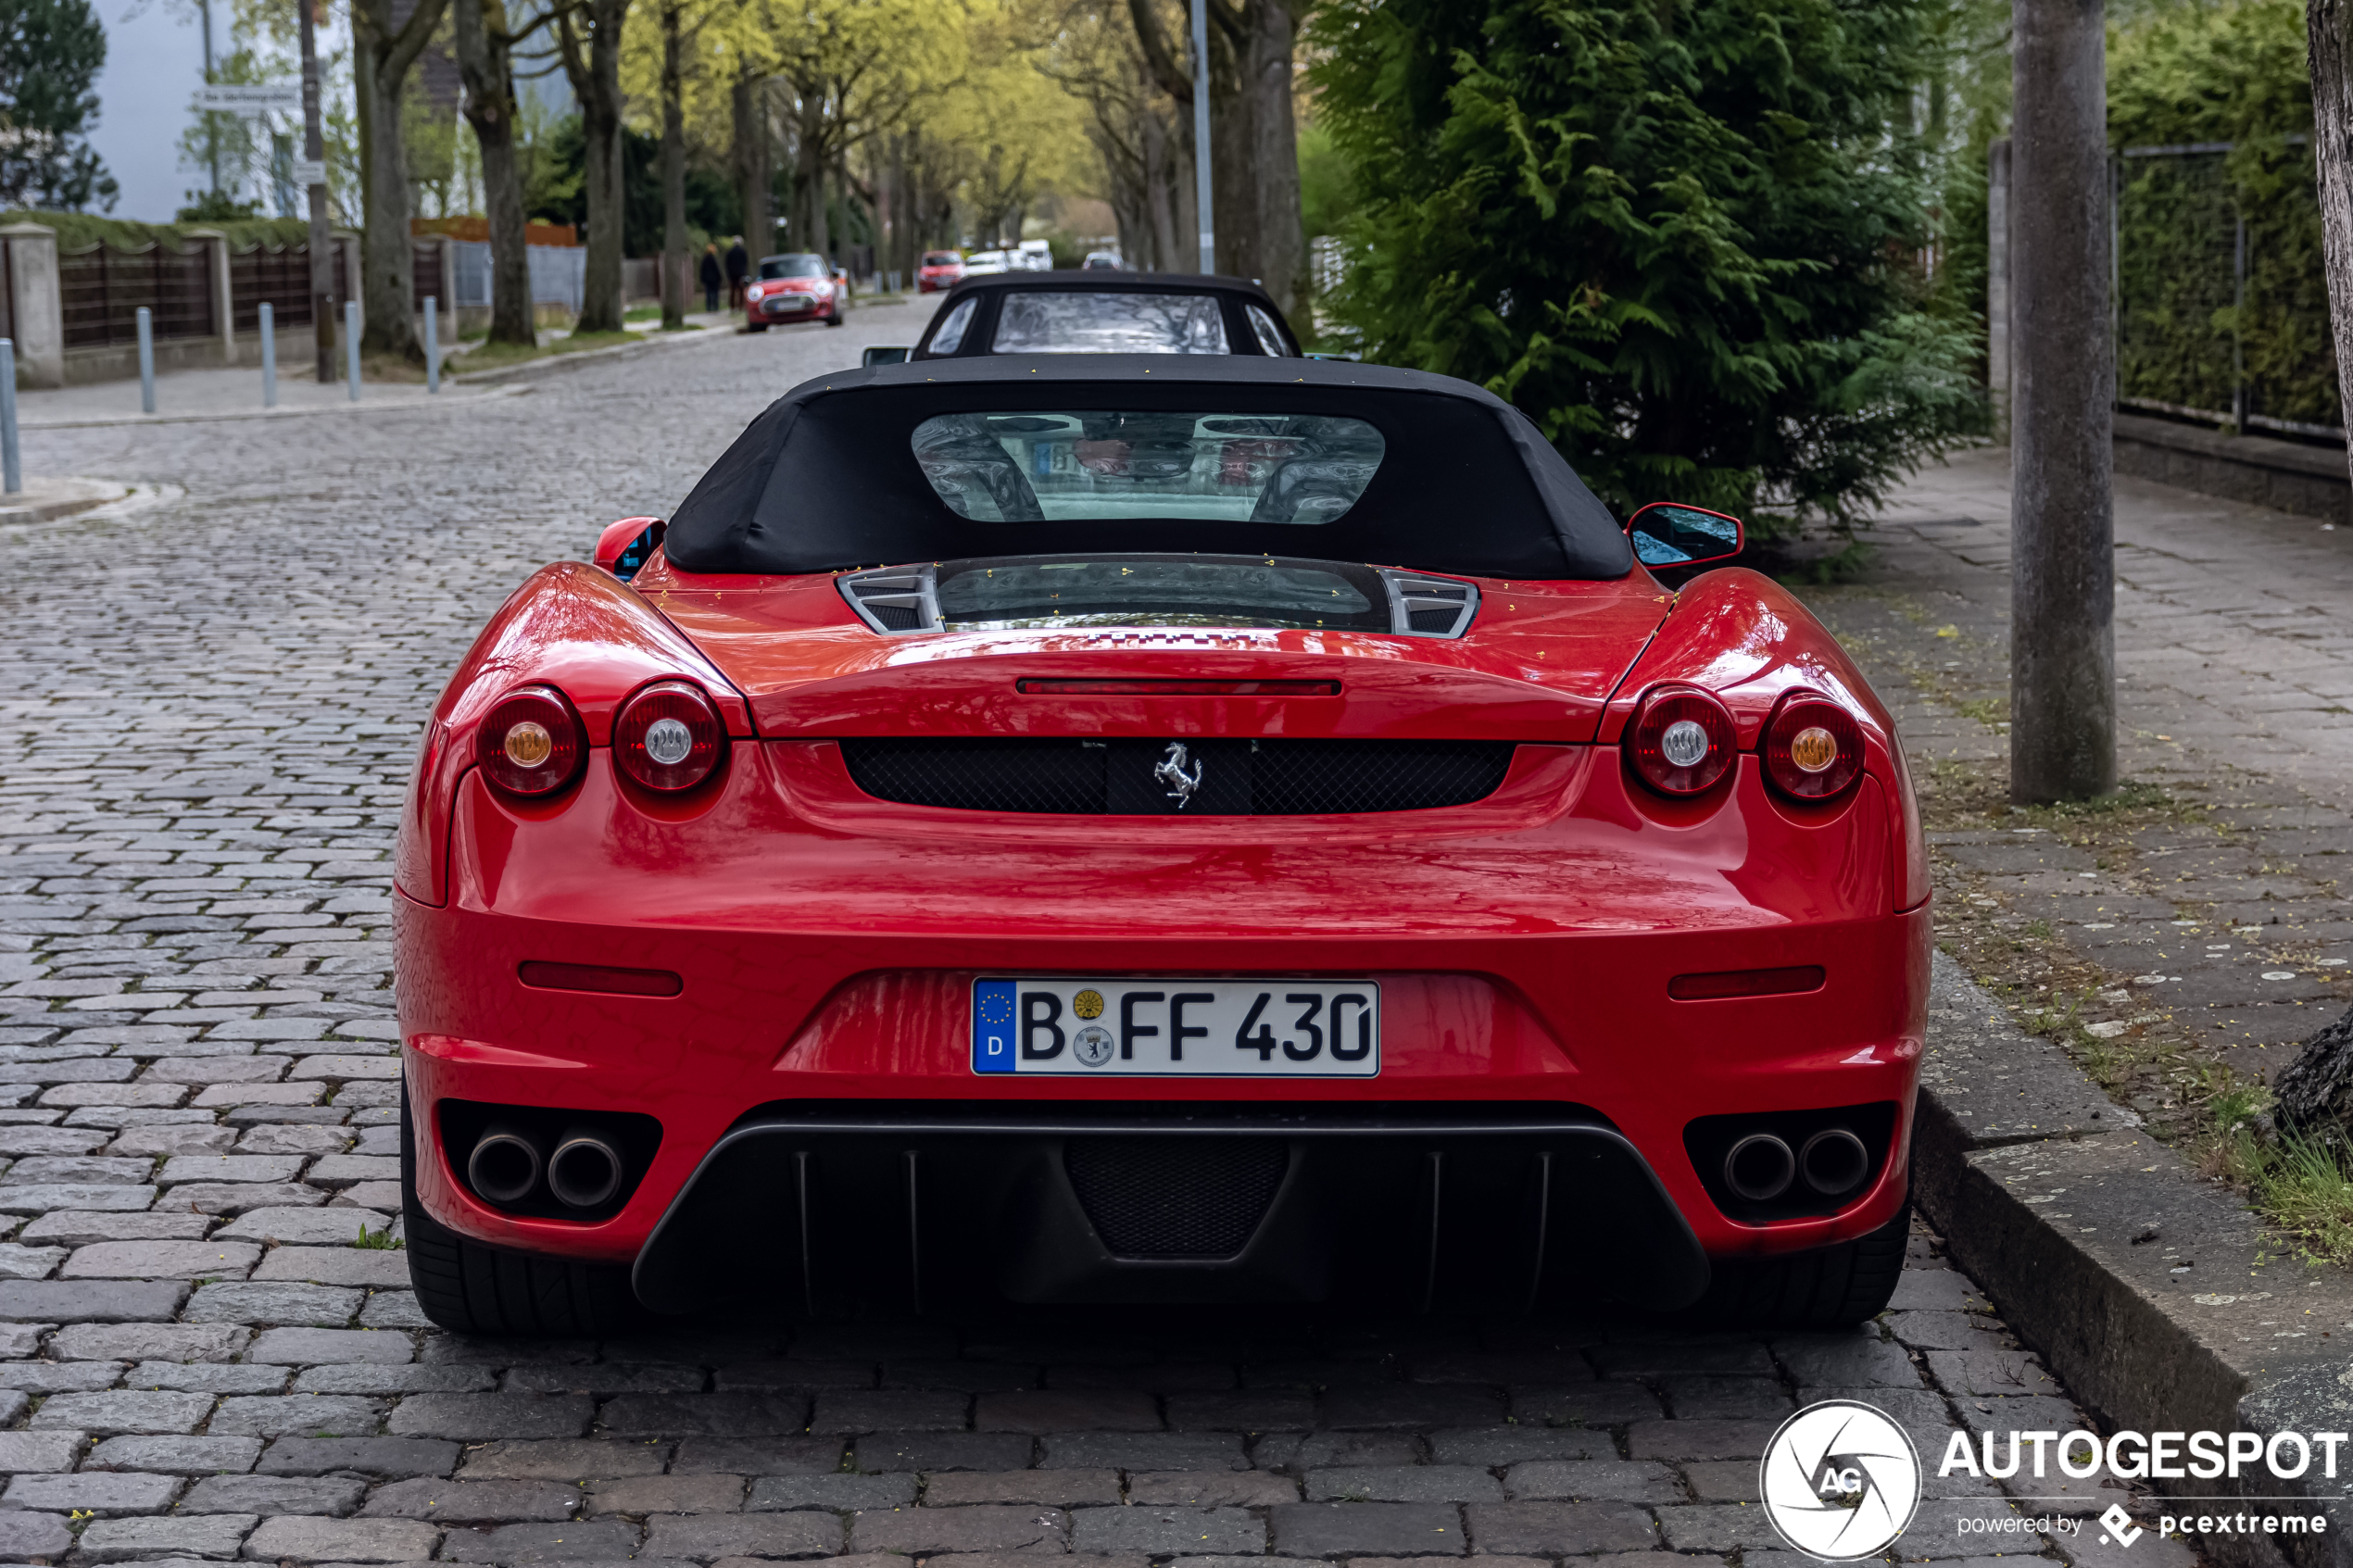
(2062, 543)
(12, 461)
(1201, 136)
(432, 343)
(147, 325)
(269, 356)
(351, 344)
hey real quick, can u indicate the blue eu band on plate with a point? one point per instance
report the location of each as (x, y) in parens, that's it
(1161, 1027)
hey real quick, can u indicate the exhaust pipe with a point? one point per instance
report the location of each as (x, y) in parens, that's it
(1833, 1162)
(584, 1170)
(1759, 1168)
(504, 1166)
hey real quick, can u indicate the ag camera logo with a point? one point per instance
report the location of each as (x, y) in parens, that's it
(1840, 1480)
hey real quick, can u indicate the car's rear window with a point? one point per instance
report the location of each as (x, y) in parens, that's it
(941, 258)
(792, 267)
(1091, 464)
(1113, 321)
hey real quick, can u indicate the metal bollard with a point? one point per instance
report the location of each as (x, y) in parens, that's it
(11, 465)
(269, 357)
(146, 362)
(433, 346)
(351, 345)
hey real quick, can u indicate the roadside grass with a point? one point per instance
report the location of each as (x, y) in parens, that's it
(494, 356)
(642, 313)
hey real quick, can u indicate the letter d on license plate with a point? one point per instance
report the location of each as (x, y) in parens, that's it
(1177, 1028)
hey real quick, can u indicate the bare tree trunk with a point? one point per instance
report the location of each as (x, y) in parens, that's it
(748, 100)
(673, 174)
(2329, 26)
(485, 64)
(593, 65)
(811, 197)
(2063, 553)
(1280, 230)
(387, 267)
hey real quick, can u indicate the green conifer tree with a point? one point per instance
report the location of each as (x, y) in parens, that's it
(1688, 238)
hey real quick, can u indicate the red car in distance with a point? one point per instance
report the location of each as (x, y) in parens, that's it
(941, 270)
(1160, 829)
(794, 288)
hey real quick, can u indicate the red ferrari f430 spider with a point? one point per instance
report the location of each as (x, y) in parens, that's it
(1156, 829)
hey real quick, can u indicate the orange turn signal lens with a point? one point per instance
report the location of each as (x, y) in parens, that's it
(1812, 747)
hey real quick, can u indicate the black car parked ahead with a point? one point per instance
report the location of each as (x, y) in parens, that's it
(1101, 312)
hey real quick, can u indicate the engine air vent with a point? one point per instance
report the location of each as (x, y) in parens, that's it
(1431, 607)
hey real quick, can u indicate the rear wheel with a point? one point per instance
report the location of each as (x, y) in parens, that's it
(756, 326)
(1830, 1289)
(470, 1288)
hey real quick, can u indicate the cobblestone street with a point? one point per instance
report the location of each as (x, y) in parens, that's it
(219, 691)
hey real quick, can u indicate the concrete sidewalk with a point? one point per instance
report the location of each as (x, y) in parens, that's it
(2196, 921)
(217, 394)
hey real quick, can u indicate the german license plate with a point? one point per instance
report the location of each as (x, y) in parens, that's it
(1177, 1028)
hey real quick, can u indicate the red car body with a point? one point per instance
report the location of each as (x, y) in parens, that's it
(942, 270)
(1571, 940)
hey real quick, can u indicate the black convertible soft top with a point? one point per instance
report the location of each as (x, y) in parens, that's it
(826, 478)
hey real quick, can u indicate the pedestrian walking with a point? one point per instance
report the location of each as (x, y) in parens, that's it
(710, 274)
(739, 268)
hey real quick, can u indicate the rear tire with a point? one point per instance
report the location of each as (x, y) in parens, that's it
(470, 1288)
(1834, 1288)
(756, 326)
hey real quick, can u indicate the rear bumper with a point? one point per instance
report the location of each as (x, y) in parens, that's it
(876, 1209)
(826, 946)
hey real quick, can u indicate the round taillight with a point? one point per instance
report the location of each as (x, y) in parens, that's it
(669, 736)
(1813, 748)
(1681, 741)
(530, 743)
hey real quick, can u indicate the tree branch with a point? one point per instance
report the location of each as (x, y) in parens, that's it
(1174, 78)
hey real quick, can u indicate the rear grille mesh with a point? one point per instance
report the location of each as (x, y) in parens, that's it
(1175, 1198)
(1273, 778)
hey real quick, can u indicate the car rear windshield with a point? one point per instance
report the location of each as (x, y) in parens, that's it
(1035, 321)
(1169, 590)
(941, 258)
(1096, 464)
(792, 267)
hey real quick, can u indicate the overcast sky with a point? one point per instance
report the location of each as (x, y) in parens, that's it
(154, 63)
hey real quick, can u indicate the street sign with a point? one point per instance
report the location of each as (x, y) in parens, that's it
(252, 97)
(308, 172)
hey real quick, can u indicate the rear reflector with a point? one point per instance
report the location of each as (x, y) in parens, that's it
(1745, 983)
(1179, 688)
(600, 977)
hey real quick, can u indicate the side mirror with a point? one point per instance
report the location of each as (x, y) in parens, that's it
(623, 547)
(887, 353)
(1668, 534)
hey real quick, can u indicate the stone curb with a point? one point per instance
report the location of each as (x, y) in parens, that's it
(362, 407)
(44, 500)
(653, 340)
(2039, 1185)
(531, 368)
